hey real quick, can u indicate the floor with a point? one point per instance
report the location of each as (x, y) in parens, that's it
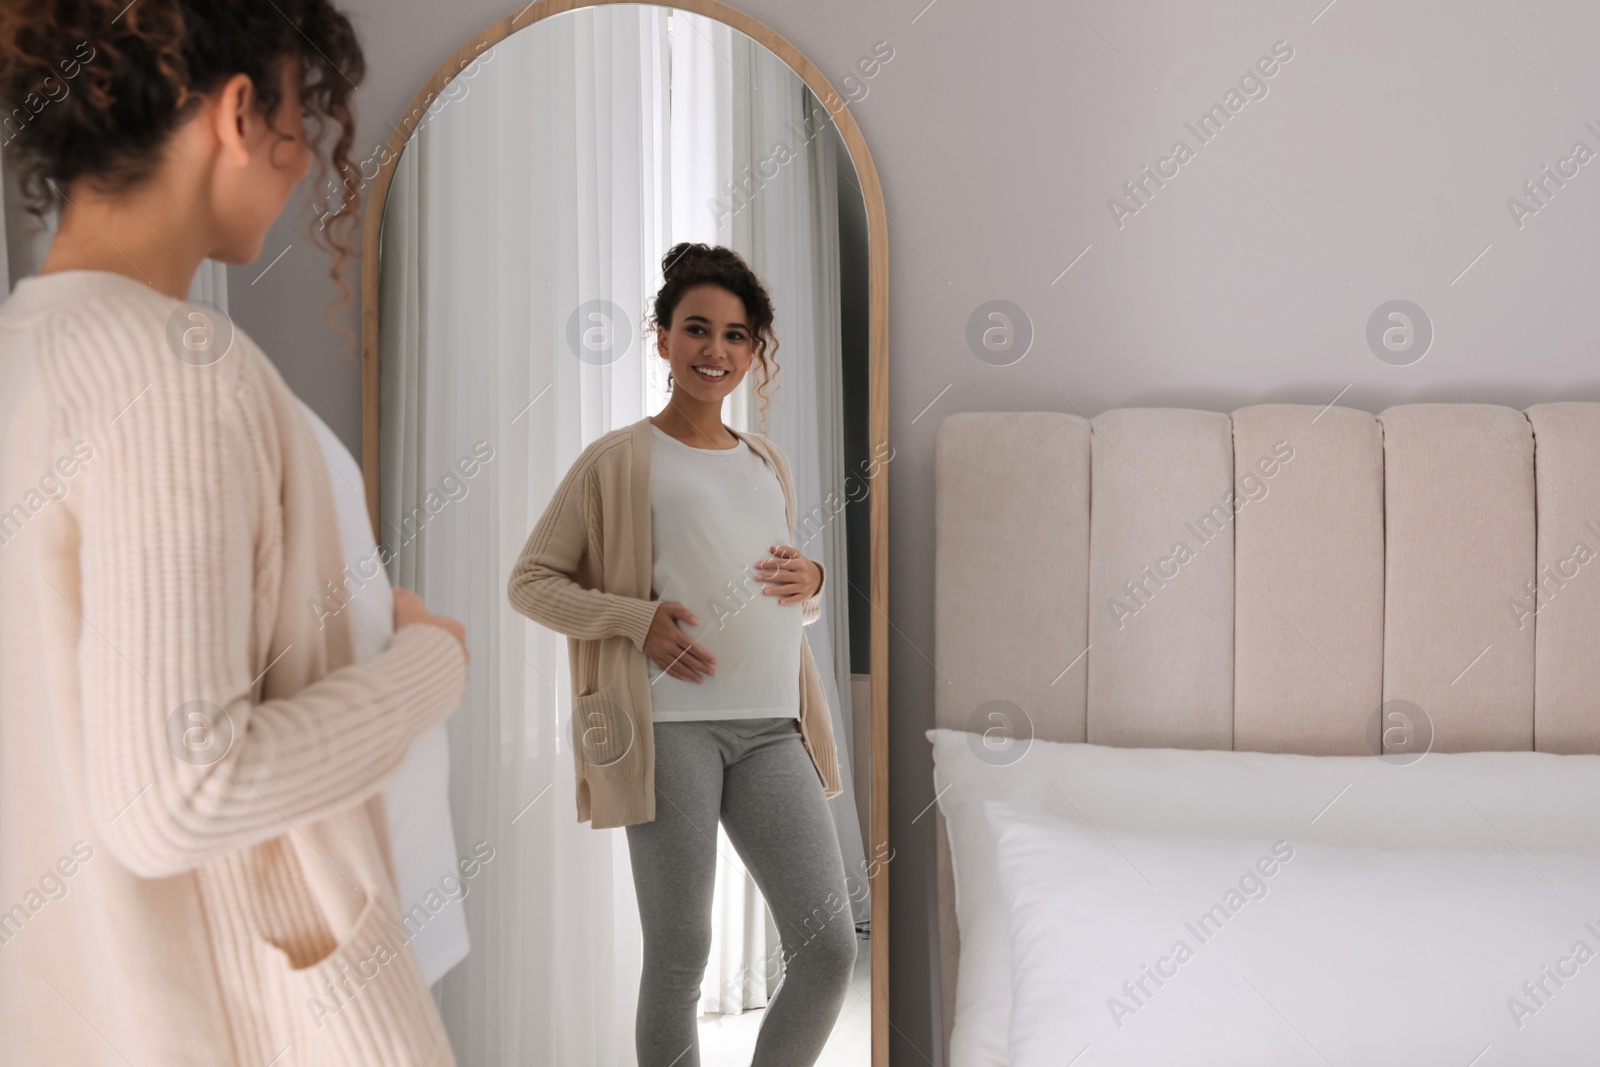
(728, 1040)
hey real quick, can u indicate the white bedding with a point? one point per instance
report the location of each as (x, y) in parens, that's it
(1484, 801)
(1227, 952)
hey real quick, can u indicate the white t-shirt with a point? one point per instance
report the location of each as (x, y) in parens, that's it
(418, 797)
(714, 513)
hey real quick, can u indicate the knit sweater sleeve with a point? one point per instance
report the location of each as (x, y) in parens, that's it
(811, 608)
(544, 582)
(184, 763)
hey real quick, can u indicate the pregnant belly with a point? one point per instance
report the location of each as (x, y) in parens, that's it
(755, 642)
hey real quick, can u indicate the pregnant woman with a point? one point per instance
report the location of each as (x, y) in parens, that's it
(663, 555)
(194, 865)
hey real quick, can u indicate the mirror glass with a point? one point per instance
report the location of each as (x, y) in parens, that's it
(521, 251)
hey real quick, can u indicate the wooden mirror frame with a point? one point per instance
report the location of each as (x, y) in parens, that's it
(878, 380)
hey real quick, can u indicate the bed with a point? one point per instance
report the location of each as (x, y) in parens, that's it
(1337, 564)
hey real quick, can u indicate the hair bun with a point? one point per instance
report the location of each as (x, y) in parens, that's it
(697, 258)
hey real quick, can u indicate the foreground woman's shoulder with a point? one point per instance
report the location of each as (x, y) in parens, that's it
(140, 363)
(143, 337)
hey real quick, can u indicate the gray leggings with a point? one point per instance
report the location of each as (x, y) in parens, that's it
(755, 774)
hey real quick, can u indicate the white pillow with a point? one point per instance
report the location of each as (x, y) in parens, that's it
(1189, 951)
(1542, 802)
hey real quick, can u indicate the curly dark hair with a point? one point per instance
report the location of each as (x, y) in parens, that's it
(141, 70)
(686, 265)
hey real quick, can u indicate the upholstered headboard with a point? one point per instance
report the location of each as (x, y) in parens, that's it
(1268, 580)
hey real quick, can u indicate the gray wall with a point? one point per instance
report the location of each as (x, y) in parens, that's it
(1378, 165)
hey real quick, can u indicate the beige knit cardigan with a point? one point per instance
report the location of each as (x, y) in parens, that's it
(585, 571)
(167, 536)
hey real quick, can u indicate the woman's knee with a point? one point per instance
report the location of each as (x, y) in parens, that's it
(830, 951)
(681, 949)
(843, 948)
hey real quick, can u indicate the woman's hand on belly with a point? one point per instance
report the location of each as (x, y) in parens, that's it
(790, 576)
(673, 650)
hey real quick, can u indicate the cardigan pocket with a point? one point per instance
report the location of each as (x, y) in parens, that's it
(363, 1003)
(602, 728)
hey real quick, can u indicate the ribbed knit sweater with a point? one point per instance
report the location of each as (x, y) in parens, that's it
(169, 896)
(585, 571)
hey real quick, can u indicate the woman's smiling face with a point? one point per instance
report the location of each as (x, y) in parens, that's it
(708, 331)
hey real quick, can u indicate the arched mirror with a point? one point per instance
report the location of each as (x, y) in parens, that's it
(515, 234)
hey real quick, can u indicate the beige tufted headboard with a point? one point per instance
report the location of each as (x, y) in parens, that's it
(1332, 560)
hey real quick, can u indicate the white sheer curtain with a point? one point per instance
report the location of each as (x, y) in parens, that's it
(558, 175)
(504, 218)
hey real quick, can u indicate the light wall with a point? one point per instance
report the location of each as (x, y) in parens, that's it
(1378, 166)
